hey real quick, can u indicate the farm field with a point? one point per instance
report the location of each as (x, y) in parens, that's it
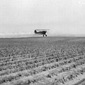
(42, 61)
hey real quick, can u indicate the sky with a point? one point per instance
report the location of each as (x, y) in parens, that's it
(59, 16)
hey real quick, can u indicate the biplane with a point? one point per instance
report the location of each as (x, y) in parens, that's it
(41, 32)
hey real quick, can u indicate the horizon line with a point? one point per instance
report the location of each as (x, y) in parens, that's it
(35, 35)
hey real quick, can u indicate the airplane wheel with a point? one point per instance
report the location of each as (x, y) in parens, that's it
(46, 35)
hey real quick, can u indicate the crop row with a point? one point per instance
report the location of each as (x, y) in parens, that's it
(57, 80)
(17, 67)
(10, 78)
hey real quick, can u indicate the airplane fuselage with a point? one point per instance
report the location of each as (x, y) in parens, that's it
(41, 33)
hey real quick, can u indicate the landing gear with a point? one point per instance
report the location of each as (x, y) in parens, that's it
(44, 35)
